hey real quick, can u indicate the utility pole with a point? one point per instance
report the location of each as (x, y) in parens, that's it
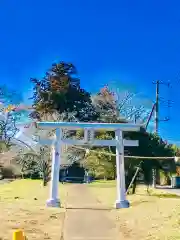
(157, 120)
(157, 107)
(157, 103)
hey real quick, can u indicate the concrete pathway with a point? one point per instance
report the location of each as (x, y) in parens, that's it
(86, 218)
(169, 189)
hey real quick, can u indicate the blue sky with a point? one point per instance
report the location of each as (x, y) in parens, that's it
(130, 43)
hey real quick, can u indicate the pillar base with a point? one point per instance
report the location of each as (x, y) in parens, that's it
(122, 204)
(53, 203)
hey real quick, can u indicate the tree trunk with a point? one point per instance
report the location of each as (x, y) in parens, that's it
(44, 181)
(154, 178)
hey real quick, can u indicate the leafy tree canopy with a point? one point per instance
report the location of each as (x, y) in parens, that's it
(60, 90)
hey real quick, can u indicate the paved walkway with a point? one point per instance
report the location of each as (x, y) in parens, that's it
(169, 189)
(86, 218)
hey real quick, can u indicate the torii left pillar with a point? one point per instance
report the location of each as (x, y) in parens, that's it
(56, 159)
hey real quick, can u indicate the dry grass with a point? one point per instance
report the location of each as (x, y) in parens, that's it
(22, 206)
(150, 217)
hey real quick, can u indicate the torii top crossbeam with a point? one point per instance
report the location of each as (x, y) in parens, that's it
(76, 125)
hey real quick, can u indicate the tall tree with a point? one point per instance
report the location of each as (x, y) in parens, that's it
(115, 106)
(60, 90)
(8, 118)
(106, 106)
(149, 145)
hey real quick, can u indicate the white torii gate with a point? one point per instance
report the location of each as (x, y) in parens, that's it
(118, 142)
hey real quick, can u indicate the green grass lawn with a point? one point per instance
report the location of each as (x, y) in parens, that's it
(23, 205)
(149, 217)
